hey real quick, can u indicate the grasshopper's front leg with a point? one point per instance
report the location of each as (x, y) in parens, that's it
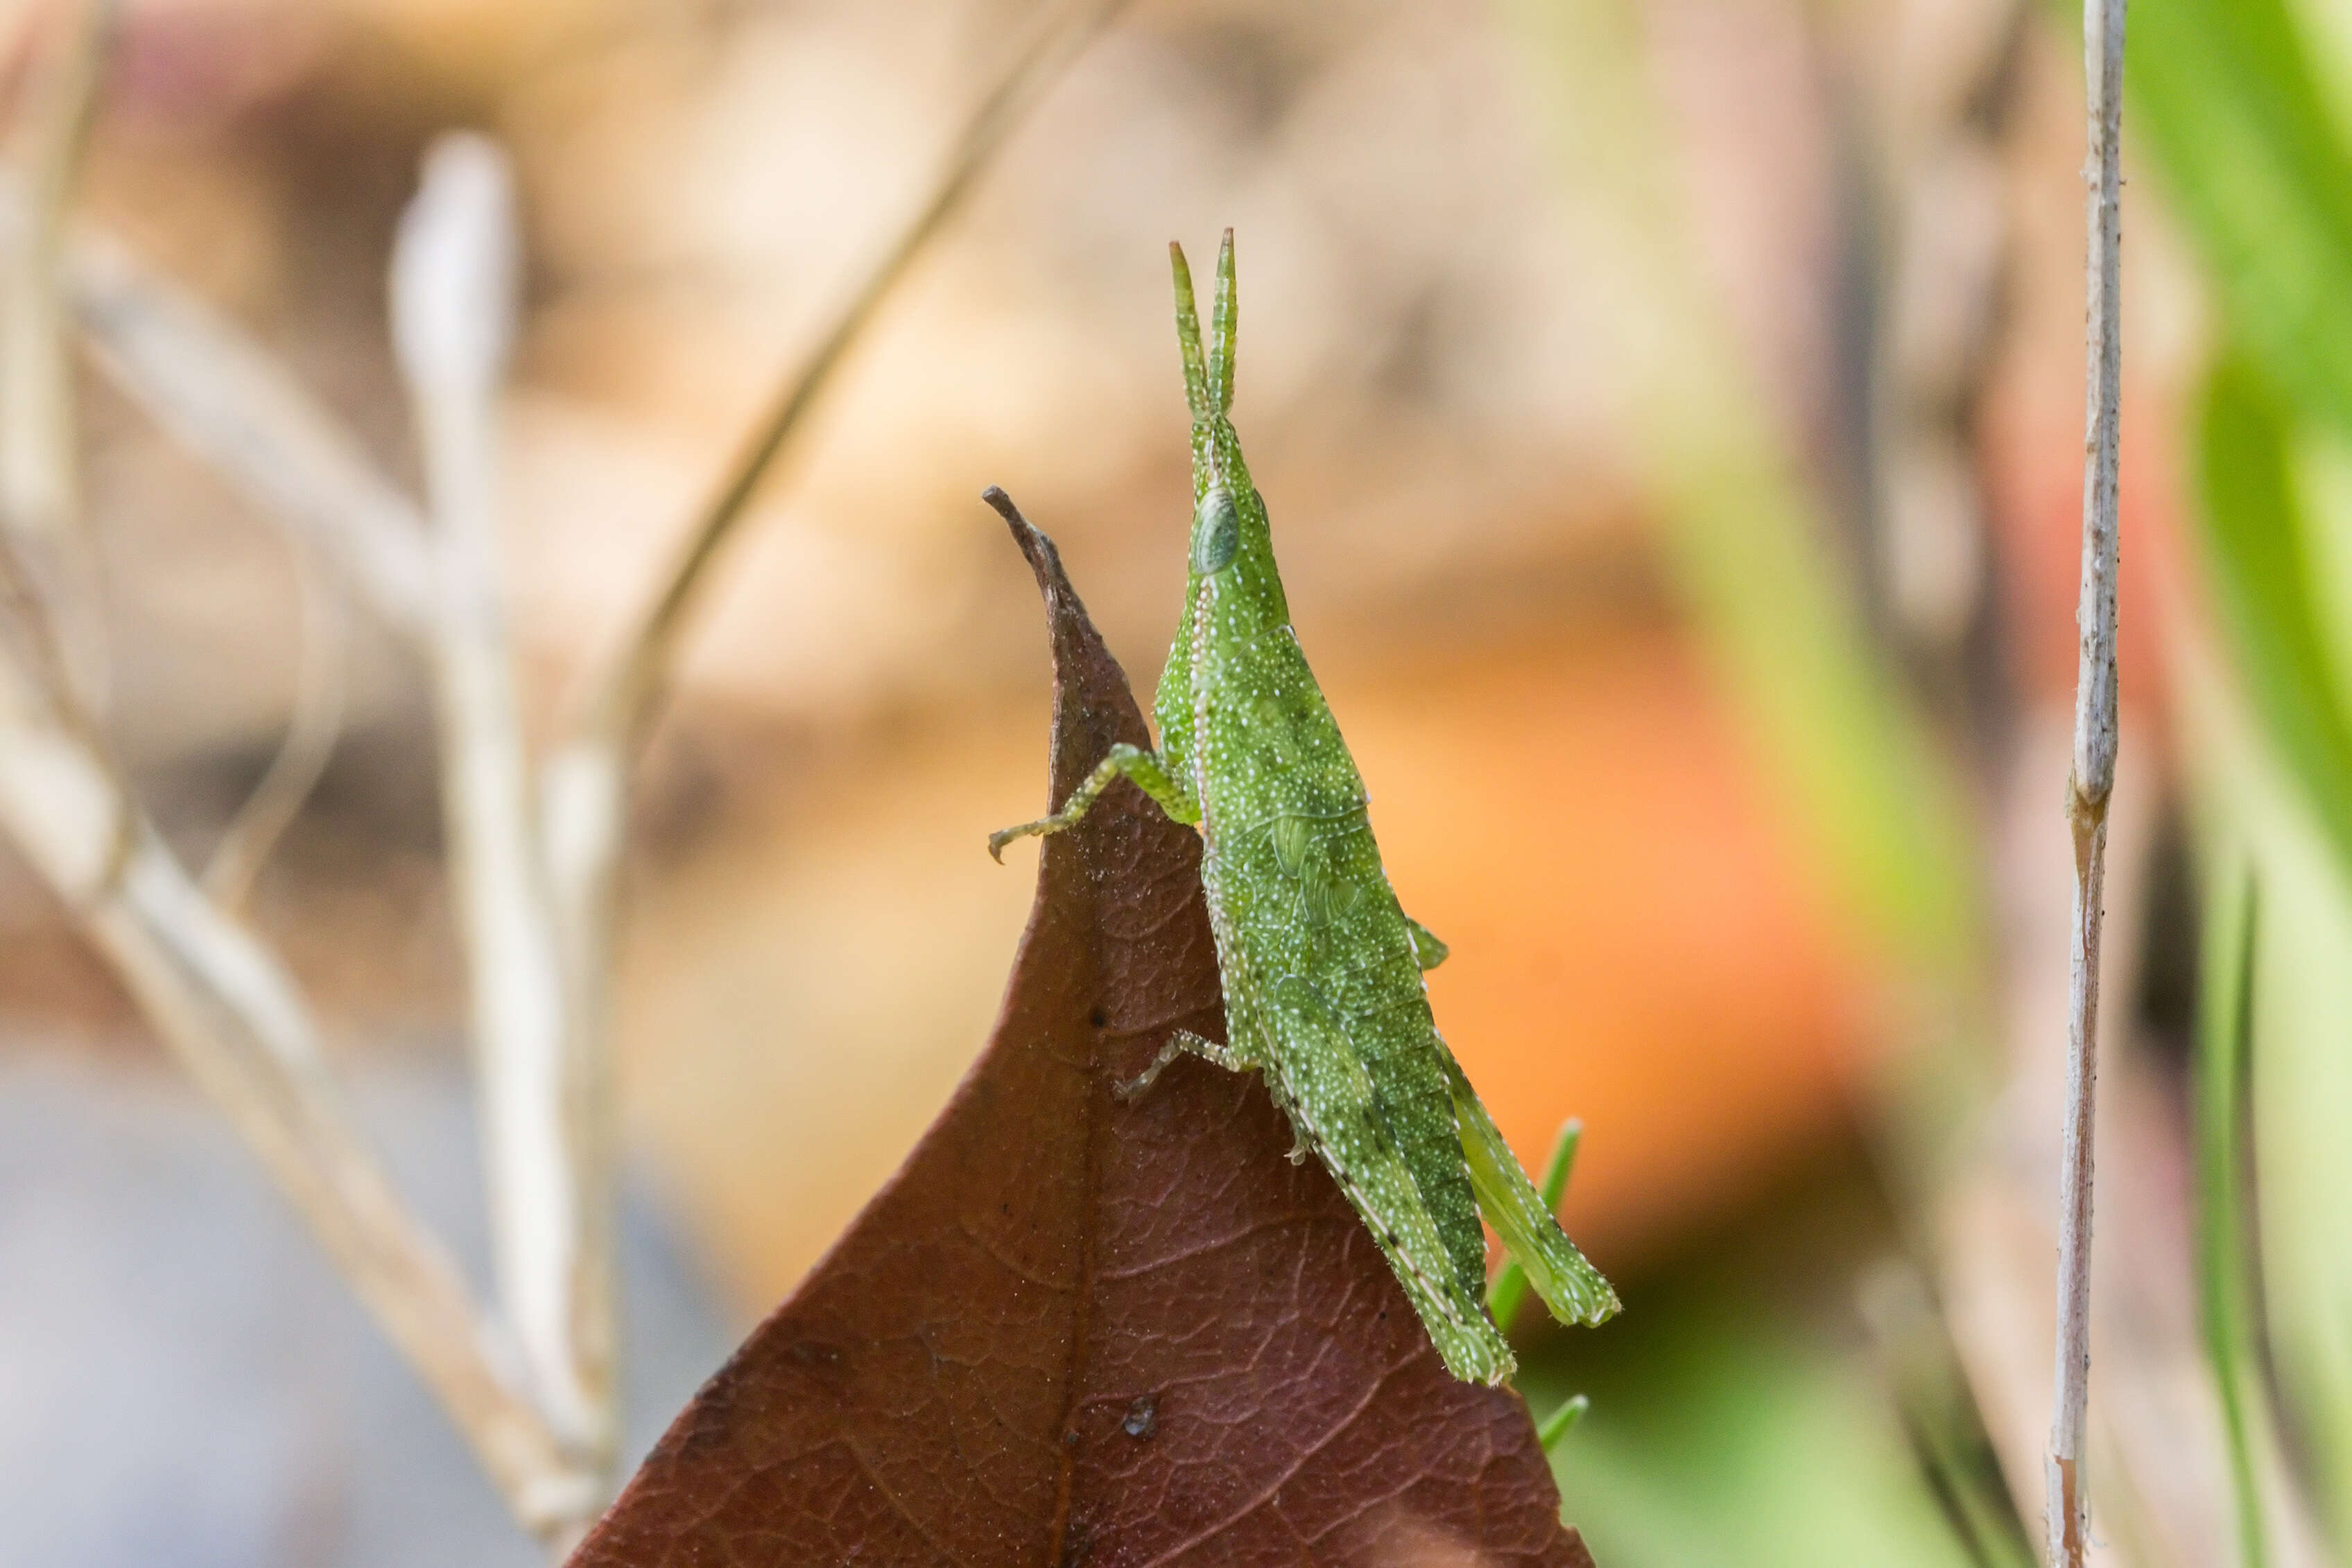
(1124, 760)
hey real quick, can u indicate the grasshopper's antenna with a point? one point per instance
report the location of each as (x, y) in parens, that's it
(1220, 329)
(1188, 335)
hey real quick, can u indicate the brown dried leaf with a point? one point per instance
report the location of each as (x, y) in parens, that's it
(1074, 1330)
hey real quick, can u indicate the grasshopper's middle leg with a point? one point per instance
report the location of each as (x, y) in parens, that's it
(1131, 761)
(1184, 1042)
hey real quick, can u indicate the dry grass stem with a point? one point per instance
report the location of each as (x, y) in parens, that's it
(2091, 781)
(233, 403)
(626, 688)
(39, 467)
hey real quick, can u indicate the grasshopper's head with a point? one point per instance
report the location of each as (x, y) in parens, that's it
(1229, 527)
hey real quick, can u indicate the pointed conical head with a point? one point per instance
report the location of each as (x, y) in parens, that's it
(1229, 526)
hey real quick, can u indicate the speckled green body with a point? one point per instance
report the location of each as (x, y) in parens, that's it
(1322, 969)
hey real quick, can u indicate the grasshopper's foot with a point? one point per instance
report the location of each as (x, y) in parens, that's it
(1038, 828)
(1184, 1042)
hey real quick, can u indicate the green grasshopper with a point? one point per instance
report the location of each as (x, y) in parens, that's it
(1322, 967)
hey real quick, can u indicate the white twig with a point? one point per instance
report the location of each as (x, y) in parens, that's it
(40, 449)
(225, 1007)
(583, 805)
(40, 470)
(2094, 771)
(231, 402)
(453, 283)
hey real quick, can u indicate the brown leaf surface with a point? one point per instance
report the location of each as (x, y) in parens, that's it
(1072, 1331)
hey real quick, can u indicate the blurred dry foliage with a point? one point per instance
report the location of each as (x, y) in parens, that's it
(700, 185)
(1737, 433)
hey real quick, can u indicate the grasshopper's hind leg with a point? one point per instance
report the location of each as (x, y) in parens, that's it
(1124, 760)
(1571, 1287)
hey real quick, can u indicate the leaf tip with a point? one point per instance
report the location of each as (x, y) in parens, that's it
(1037, 546)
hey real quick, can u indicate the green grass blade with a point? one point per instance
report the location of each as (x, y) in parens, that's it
(1560, 1422)
(2224, 1257)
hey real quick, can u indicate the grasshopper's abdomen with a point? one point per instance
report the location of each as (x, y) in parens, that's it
(1333, 1003)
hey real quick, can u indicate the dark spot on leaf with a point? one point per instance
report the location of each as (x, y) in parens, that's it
(1099, 1019)
(817, 1355)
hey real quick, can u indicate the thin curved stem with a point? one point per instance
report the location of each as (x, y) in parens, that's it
(627, 686)
(312, 730)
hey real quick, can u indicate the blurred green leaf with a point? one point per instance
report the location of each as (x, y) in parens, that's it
(2225, 91)
(1854, 766)
(1853, 759)
(1722, 1438)
(2226, 1283)
(2301, 1000)
(2256, 531)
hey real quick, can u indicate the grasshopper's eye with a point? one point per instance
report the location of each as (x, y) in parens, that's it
(1216, 532)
